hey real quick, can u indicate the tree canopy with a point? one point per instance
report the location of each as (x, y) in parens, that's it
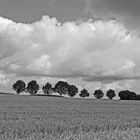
(19, 86)
(32, 87)
(72, 90)
(98, 94)
(47, 89)
(110, 94)
(84, 93)
(127, 95)
(61, 87)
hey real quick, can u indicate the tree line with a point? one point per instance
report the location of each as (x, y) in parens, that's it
(64, 88)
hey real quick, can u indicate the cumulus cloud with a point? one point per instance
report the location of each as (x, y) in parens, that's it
(119, 85)
(91, 51)
(3, 79)
(126, 11)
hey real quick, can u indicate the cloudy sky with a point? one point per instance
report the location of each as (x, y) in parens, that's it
(90, 43)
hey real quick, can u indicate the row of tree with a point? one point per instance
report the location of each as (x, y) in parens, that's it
(64, 88)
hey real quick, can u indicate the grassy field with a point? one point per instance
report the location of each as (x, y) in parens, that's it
(55, 118)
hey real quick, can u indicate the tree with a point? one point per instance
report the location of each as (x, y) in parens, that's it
(72, 90)
(32, 87)
(127, 95)
(19, 86)
(110, 94)
(47, 89)
(138, 97)
(84, 93)
(98, 94)
(61, 87)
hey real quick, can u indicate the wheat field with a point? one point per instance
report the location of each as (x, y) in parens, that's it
(59, 118)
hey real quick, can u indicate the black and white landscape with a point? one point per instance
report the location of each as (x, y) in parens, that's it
(69, 69)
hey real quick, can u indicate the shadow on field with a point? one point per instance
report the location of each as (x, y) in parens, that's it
(48, 95)
(4, 93)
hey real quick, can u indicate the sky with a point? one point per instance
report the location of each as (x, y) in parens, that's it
(90, 43)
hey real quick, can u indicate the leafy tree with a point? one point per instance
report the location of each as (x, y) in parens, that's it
(98, 94)
(47, 89)
(32, 87)
(84, 93)
(138, 97)
(127, 95)
(110, 94)
(19, 86)
(61, 87)
(72, 90)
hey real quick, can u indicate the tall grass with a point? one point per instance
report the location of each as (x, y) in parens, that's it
(53, 118)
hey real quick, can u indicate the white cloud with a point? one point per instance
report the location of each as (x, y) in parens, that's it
(70, 50)
(119, 85)
(3, 79)
(40, 64)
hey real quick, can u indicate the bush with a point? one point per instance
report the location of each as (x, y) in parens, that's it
(127, 95)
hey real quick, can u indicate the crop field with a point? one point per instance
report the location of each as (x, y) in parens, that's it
(59, 118)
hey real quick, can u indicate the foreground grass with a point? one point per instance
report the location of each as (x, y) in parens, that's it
(55, 118)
